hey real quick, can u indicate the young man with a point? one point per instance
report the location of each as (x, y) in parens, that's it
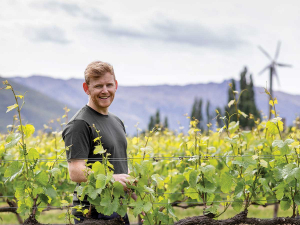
(100, 85)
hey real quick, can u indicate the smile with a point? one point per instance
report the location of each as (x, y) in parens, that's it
(106, 97)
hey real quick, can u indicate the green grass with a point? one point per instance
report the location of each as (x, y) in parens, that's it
(51, 217)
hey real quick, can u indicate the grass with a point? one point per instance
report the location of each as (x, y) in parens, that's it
(51, 217)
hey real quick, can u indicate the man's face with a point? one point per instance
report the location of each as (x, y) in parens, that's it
(102, 92)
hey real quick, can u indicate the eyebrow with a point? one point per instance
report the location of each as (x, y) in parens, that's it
(103, 84)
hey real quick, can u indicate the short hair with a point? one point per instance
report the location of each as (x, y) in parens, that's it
(97, 69)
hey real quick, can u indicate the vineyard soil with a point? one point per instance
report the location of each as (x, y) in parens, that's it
(51, 217)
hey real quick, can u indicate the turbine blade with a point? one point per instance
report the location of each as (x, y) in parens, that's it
(276, 75)
(264, 69)
(265, 53)
(277, 50)
(284, 65)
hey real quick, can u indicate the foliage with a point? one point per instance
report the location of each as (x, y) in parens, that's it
(229, 167)
(197, 112)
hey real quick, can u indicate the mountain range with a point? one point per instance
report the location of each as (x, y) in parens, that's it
(134, 104)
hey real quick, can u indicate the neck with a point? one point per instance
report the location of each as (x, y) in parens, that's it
(101, 111)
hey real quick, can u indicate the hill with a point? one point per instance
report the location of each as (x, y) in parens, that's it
(136, 104)
(38, 109)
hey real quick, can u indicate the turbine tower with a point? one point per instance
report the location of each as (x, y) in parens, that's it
(272, 68)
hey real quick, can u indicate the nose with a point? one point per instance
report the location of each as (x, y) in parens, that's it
(104, 89)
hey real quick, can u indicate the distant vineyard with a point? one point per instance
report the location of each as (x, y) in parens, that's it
(216, 170)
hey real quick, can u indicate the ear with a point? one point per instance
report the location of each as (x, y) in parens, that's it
(86, 88)
(116, 84)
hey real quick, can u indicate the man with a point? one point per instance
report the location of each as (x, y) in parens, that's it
(100, 85)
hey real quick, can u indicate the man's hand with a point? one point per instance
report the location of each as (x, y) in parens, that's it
(122, 178)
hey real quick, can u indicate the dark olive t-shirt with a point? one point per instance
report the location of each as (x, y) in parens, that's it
(79, 135)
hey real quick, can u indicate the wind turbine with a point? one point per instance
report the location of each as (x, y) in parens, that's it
(272, 67)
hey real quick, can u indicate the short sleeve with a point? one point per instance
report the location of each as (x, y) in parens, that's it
(77, 136)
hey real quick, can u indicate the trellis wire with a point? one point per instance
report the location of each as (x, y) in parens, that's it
(155, 203)
(168, 193)
(138, 158)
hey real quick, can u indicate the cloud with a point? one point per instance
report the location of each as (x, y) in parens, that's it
(197, 35)
(74, 10)
(95, 15)
(193, 34)
(69, 8)
(47, 34)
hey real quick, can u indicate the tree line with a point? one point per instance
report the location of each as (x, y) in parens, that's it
(246, 104)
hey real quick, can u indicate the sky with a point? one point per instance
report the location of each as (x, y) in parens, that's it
(151, 42)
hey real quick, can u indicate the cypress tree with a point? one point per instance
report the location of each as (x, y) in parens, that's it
(208, 116)
(244, 104)
(166, 123)
(157, 117)
(197, 112)
(151, 123)
(231, 110)
(194, 108)
(253, 108)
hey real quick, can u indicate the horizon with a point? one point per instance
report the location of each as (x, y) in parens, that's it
(152, 85)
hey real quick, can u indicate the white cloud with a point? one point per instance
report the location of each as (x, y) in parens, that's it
(152, 42)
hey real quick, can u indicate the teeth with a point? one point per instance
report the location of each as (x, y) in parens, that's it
(104, 97)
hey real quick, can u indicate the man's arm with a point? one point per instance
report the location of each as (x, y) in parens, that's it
(78, 172)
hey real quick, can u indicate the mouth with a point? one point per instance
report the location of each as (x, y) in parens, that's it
(104, 97)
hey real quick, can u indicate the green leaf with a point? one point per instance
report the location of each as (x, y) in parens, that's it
(159, 181)
(138, 207)
(289, 141)
(148, 189)
(207, 188)
(42, 178)
(98, 168)
(50, 192)
(208, 170)
(231, 103)
(38, 190)
(237, 205)
(285, 204)
(122, 209)
(54, 171)
(193, 178)
(28, 130)
(282, 146)
(13, 170)
(233, 126)
(212, 209)
(147, 206)
(99, 149)
(118, 189)
(243, 114)
(110, 207)
(226, 182)
(12, 140)
(297, 199)
(33, 154)
(101, 181)
(239, 190)
(191, 193)
(265, 185)
(272, 127)
(9, 108)
(263, 163)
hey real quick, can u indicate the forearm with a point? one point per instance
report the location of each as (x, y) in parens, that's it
(78, 172)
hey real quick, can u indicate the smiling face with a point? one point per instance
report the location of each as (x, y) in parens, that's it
(101, 92)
